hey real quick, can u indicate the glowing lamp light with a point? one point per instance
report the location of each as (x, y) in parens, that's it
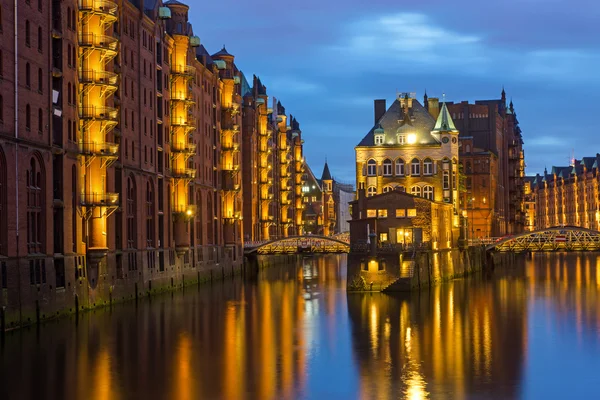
(411, 139)
(189, 212)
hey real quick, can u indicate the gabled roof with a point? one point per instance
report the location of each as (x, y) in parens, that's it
(444, 122)
(326, 174)
(394, 121)
(222, 53)
(175, 3)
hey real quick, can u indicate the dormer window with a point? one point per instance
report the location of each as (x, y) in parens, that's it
(401, 139)
(378, 139)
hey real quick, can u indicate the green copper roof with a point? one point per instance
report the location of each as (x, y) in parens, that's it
(444, 122)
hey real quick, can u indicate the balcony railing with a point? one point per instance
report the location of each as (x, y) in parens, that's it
(182, 96)
(103, 42)
(230, 147)
(184, 209)
(99, 78)
(100, 199)
(183, 173)
(180, 147)
(105, 7)
(183, 70)
(99, 113)
(105, 149)
(183, 121)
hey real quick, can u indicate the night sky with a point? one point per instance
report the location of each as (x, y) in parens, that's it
(327, 60)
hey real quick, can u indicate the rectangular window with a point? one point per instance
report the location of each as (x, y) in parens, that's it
(383, 237)
(379, 139)
(412, 212)
(400, 213)
(382, 213)
(371, 213)
(446, 181)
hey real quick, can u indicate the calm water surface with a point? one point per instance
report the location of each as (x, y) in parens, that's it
(531, 331)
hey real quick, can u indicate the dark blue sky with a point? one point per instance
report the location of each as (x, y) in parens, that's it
(327, 60)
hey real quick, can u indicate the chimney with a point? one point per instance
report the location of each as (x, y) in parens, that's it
(379, 110)
(434, 107)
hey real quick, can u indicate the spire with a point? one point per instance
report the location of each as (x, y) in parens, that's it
(426, 100)
(326, 174)
(511, 107)
(444, 122)
(503, 94)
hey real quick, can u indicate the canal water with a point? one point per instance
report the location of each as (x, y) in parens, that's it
(530, 331)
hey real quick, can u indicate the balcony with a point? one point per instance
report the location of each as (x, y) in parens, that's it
(99, 199)
(183, 173)
(105, 149)
(185, 148)
(101, 7)
(185, 97)
(99, 42)
(234, 147)
(100, 113)
(184, 210)
(99, 78)
(183, 70)
(189, 122)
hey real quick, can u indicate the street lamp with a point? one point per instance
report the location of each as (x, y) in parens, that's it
(465, 215)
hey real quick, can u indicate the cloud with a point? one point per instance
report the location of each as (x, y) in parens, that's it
(412, 39)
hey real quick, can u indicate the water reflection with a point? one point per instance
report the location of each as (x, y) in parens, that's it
(522, 332)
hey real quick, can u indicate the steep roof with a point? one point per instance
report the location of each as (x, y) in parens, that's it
(326, 174)
(444, 121)
(394, 121)
(222, 53)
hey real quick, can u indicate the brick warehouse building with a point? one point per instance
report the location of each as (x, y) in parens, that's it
(120, 162)
(492, 161)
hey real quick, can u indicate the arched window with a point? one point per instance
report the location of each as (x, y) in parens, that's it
(35, 206)
(28, 117)
(131, 213)
(427, 167)
(400, 188)
(415, 191)
(3, 206)
(415, 167)
(467, 149)
(27, 75)
(39, 39)
(371, 191)
(40, 120)
(387, 189)
(40, 81)
(371, 168)
(149, 214)
(387, 167)
(399, 167)
(428, 192)
(27, 34)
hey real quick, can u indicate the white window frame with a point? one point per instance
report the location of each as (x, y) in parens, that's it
(428, 192)
(428, 167)
(416, 191)
(387, 167)
(371, 167)
(401, 139)
(400, 165)
(378, 139)
(415, 167)
(387, 189)
(371, 191)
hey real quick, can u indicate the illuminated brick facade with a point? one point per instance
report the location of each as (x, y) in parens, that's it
(568, 195)
(410, 148)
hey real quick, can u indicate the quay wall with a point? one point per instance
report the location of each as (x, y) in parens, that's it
(120, 276)
(408, 271)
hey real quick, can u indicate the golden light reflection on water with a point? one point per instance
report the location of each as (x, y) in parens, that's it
(269, 339)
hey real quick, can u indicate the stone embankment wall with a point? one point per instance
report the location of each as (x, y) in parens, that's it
(408, 271)
(86, 287)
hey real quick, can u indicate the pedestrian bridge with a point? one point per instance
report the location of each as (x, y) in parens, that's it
(300, 244)
(560, 238)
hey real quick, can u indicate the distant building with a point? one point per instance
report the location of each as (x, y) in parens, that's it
(410, 148)
(327, 209)
(530, 206)
(492, 126)
(400, 218)
(568, 195)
